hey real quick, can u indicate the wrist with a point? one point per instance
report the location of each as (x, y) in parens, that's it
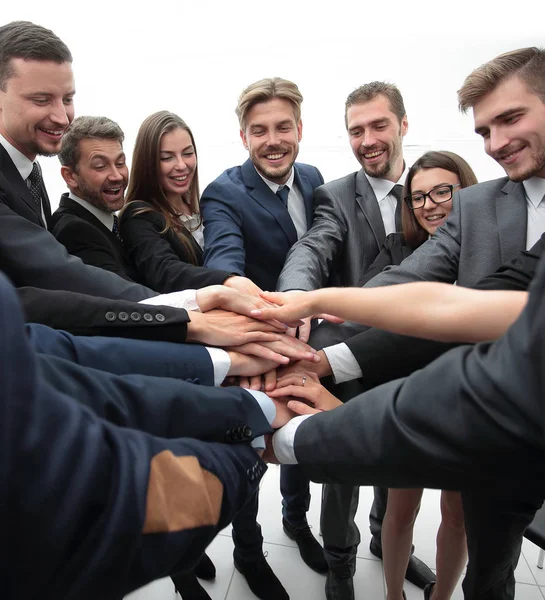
(195, 328)
(323, 368)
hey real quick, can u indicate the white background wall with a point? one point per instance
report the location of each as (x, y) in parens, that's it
(194, 58)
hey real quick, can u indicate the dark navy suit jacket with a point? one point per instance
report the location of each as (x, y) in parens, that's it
(247, 229)
(91, 508)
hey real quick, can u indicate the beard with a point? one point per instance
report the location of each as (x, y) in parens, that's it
(95, 198)
(537, 166)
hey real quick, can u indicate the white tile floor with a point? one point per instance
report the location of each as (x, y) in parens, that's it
(304, 584)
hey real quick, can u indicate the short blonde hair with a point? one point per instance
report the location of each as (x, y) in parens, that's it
(526, 63)
(265, 90)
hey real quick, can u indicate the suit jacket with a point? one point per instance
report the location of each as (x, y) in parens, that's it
(96, 490)
(161, 259)
(394, 251)
(247, 229)
(346, 236)
(472, 419)
(85, 236)
(384, 356)
(30, 255)
(125, 357)
(88, 315)
(486, 228)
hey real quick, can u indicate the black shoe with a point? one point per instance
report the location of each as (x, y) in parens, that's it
(205, 568)
(418, 573)
(339, 584)
(260, 578)
(427, 591)
(309, 547)
(188, 586)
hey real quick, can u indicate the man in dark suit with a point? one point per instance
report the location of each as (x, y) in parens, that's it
(86, 532)
(96, 173)
(490, 223)
(252, 215)
(353, 215)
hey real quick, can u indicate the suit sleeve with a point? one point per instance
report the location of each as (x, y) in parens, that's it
(123, 357)
(83, 240)
(155, 259)
(31, 256)
(383, 260)
(310, 261)
(89, 315)
(223, 235)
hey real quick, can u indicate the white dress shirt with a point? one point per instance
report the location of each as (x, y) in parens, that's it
(535, 196)
(23, 165)
(193, 223)
(296, 203)
(106, 218)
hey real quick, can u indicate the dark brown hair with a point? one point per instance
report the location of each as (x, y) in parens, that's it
(145, 175)
(369, 91)
(415, 235)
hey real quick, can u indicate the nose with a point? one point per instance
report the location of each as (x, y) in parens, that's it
(368, 139)
(497, 140)
(59, 114)
(428, 205)
(115, 174)
(180, 163)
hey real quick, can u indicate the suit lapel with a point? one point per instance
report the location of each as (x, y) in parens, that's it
(512, 217)
(20, 187)
(264, 196)
(367, 201)
(69, 206)
(307, 190)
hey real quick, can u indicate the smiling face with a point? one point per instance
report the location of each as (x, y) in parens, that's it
(178, 162)
(431, 215)
(376, 137)
(272, 137)
(37, 106)
(511, 120)
(101, 176)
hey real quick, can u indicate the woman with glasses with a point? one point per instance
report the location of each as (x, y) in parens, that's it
(429, 188)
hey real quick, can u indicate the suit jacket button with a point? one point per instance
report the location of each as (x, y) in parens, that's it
(123, 316)
(110, 316)
(136, 316)
(160, 317)
(247, 432)
(148, 318)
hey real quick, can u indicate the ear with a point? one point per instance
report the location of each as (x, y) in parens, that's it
(243, 138)
(300, 130)
(69, 176)
(404, 126)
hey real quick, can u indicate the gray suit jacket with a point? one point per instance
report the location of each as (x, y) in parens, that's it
(347, 234)
(486, 228)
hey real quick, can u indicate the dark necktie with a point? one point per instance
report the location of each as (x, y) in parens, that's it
(115, 228)
(36, 185)
(283, 192)
(397, 190)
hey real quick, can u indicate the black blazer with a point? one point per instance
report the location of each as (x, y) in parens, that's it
(161, 259)
(384, 356)
(85, 236)
(15, 194)
(88, 315)
(394, 251)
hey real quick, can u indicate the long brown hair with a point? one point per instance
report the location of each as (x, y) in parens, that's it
(415, 235)
(145, 175)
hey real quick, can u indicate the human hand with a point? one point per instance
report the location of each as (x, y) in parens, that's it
(304, 391)
(291, 307)
(268, 454)
(242, 284)
(248, 366)
(282, 350)
(320, 366)
(223, 328)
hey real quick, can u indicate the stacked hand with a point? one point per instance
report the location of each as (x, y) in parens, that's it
(304, 393)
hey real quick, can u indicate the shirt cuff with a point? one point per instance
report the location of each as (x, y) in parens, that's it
(221, 363)
(269, 410)
(283, 441)
(186, 299)
(344, 366)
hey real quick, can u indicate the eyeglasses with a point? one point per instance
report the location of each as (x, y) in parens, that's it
(438, 195)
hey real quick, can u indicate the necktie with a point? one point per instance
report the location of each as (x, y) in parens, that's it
(36, 185)
(397, 190)
(115, 228)
(282, 192)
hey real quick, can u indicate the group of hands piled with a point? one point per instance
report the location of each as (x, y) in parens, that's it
(265, 335)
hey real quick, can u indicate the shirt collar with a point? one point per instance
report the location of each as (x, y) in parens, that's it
(22, 163)
(535, 190)
(383, 187)
(274, 186)
(106, 218)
